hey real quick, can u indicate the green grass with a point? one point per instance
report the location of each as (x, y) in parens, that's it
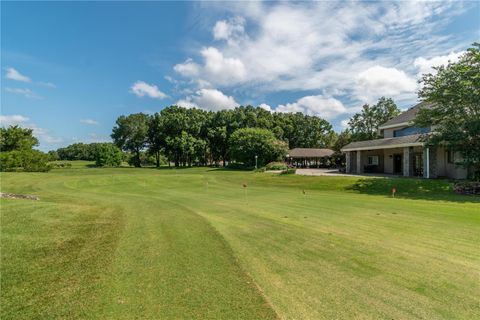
(193, 243)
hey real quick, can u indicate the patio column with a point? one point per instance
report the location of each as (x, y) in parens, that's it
(429, 163)
(359, 162)
(347, 162)
(406, 162)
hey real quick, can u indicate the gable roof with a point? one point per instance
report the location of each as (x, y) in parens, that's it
(309, 153)
(406, 116)
(406, 141)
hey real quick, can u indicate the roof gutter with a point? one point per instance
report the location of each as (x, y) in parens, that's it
(400, 124)
(401, 145)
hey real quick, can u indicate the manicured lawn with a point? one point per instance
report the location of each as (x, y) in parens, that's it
(194, 244)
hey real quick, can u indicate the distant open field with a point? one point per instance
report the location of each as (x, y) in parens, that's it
(195, 244)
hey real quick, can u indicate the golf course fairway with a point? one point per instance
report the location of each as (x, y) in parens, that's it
(207, 243)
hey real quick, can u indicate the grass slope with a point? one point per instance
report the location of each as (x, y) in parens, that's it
(193, 243)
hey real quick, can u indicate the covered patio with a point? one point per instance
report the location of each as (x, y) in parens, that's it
(406, 156)
(308, 157)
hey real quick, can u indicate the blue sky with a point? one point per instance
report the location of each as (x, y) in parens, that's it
(70, 69)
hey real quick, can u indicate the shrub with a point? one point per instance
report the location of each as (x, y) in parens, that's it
(107, 154)
(24, 160)
(289, 171)
(467, 187)
(53, 155)
(276, 166)
(61, 165)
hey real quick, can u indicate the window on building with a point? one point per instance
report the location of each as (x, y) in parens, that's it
(409, 131)
(373, 160)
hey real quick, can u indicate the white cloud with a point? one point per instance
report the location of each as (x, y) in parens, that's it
(320, 47)
(344, 123)
(425, 65)
(231, 30)
(42, 134)
(12, 120)
(325, 107)
(89, 122)
(216, 68)
(14, 74)
(380, 81)
(265, 107)
(27, 93)
(141, 89)
(187, 68)
(208, 99)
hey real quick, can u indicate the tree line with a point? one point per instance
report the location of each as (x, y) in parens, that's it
(197, 137)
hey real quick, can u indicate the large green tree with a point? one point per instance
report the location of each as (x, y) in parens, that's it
(454, 94)
(177, 130)
(17, 138)
(302, 131)
(156, 137)
(17, 154)
(364, 125)
(130, 134)
(107, 155)
(247, 143)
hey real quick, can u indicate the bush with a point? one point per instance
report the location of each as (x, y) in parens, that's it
(289, 171)
(53, 155)
(467, 187)
(24, 160)
(108, 155)
(61, 165)
(276, 166)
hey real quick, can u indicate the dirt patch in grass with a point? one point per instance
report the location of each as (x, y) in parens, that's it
(18, 196)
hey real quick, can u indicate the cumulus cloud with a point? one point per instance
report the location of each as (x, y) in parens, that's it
(141, 89)
(208, 99)
(320, 46)
(266, 107)
(27, 93)
(12, 120)
(41, 133)
(325, 107)
(216, 68)
(232, 30)
(89, 122)
(187, 68)
(426, 65)
(14, 74)
(380, 81)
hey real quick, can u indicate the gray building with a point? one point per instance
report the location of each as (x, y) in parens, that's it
(401, 152)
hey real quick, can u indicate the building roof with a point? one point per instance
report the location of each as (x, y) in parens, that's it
(406, 141)
(405, 117)
(309, 153)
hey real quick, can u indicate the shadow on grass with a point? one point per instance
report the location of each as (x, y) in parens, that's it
(410, 188)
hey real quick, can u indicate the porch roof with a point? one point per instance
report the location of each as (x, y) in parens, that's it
(387, 143)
